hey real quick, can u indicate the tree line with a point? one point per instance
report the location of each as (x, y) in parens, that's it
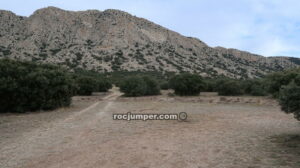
(27, 86)
(284, 86)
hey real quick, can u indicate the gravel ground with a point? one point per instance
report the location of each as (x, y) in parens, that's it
(221, 132)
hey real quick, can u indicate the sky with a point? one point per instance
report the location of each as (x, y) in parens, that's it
(265, 27)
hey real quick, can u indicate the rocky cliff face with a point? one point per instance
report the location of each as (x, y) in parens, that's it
(113, 40)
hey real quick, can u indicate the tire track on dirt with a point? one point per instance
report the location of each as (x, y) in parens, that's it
(80, 137)
(55, 135)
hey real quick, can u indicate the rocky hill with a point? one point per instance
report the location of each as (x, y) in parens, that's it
(113, 40)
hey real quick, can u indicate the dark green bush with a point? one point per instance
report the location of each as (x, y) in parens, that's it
(90, 81)
(229, 87)
(27, 86)
(133, 87)
(86, 85)
(254, 87)
(139, 86)
(275, 81)
(103, 85)
(187, 84)
(258, 90)
(118, 77)
(289, 99)
(164, 85)
(210, 85)
(152, 87)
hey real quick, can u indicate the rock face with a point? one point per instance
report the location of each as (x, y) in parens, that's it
(113, 40)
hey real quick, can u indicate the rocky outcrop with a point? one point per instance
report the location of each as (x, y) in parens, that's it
(113, 40)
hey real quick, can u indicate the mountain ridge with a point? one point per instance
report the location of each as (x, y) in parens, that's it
(113, 40)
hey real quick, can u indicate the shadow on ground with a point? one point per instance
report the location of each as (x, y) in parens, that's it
(285, 149)
(290, 142)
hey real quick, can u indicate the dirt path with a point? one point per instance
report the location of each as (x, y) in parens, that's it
(233, 135)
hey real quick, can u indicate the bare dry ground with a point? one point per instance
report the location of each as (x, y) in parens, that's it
(221, 132)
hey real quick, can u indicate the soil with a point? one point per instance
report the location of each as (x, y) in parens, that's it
(220, 132)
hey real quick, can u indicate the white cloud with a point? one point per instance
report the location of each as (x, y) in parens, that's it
(272, 47)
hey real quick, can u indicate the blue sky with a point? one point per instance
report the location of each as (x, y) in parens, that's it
(266, 27)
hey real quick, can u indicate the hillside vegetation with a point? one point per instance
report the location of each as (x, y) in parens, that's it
(113, 40)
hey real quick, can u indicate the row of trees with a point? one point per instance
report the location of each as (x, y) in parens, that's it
(26, 86)
(192, 84)
(285, 86)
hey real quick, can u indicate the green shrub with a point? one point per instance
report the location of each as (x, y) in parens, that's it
(86, 85)
(289, 99)
(210, 85)
(118, 77)
(229, 87)
(152, 87)
(27, 86)
(258, 90)
(139, 86)
(90, 81)
(254, 87)
(103, 85)
(275, 81)
(187, 84)
(133, 87)
(164, 85)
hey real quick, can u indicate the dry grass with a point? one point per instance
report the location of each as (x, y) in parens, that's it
(230, 132)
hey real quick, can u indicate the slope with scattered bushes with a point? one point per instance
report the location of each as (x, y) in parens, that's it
(134, 44)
